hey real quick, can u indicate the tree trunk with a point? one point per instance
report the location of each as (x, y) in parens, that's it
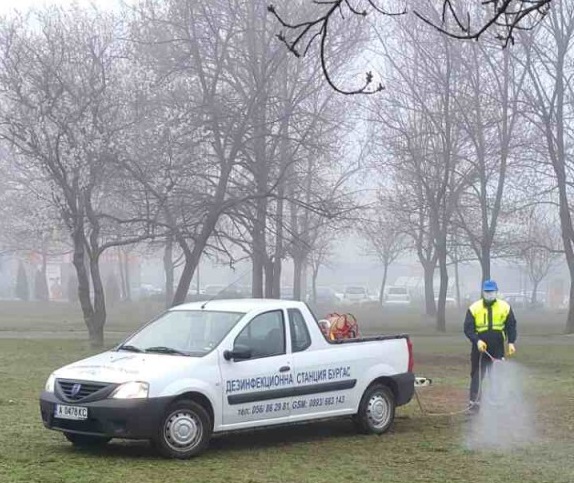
(44, 278)
(277, 270)
(430, 305)
(383, 284)
(534, 295)
(315, 274)
(193, 257)
(297, 276)
(189, 268)
(258, 262)
(485, 261)
(457, 284)
(127, 276)
(304, 271)
(169, 271)
(278, 256)
(259, 248)
(269, 277)
(570, 319)
(98, 319)
(123, 295)
(79, 261)
(443, 287)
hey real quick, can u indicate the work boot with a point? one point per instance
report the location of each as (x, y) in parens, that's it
(473, 407)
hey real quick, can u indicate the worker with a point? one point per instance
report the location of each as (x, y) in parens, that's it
(488, 324)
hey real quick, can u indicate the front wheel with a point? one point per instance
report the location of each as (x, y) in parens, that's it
(376, 411)
(184, 431)
(85, 440)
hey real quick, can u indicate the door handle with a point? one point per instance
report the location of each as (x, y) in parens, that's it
(284, 369)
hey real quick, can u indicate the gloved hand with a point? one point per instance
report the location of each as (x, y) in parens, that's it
(481, 346)
(511, 349)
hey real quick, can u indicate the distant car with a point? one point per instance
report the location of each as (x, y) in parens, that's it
(223, 292)
(355, 294)
(517, 300)
(286, 293)
(325, 296)
(213, 289)
(450, 302)
(397, 296)
(148, 290)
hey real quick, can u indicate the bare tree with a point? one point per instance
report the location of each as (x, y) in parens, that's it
(197, 52)
(537, 246)
(458, 20)
(386, 240)
(30, 224)
(63, 112)
(425, 141)
(549, 64)
(490, 114)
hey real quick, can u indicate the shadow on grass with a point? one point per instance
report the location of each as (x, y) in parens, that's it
(250, 440)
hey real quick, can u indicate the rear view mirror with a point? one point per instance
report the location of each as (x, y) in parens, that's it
(239, 353)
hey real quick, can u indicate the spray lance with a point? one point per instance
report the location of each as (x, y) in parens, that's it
(425, 382)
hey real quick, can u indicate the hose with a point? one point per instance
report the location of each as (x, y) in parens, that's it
(467, 408)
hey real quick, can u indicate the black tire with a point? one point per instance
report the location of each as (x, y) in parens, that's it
(376, 410)
(86, 440)
(184, 431)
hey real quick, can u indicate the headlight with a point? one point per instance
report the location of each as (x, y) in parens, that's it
(131, 390)
(50, 383)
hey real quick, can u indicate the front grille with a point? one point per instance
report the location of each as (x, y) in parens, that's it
(78, 390)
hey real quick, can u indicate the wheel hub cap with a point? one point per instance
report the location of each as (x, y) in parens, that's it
(378, 411)
(182, 430)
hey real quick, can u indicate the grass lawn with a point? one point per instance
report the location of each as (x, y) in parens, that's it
(417, 449)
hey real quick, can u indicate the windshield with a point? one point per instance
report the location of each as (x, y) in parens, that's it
(187, 332)
(397, 291)
(355, 290)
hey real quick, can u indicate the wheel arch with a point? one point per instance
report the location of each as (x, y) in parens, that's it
(200, 399)
(385, 381)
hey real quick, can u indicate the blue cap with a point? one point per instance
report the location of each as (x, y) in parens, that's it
(489, 286)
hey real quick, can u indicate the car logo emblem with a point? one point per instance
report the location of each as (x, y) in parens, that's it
(76, 388)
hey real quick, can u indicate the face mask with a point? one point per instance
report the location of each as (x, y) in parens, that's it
(490, 296)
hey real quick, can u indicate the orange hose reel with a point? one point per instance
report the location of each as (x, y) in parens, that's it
(342, 326)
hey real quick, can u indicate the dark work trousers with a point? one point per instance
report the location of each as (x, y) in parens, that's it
(495, 347)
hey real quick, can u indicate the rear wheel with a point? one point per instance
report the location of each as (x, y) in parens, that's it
(86, 440)
(376, 410)
(184, 431)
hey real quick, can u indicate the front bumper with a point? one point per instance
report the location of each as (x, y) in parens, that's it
(114, 418)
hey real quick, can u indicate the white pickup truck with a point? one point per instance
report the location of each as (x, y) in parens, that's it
(209, 367)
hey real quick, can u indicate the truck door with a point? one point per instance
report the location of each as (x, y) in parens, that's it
(258, 388)
(324, 381)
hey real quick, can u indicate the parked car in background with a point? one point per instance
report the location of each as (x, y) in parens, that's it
(397, 296)
(523, 301)
(355, 294)
(325, 296)
(149, 290)
(224, 292)
(450, 302)
(286, 293)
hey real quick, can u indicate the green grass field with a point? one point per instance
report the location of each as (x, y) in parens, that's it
(417, 449)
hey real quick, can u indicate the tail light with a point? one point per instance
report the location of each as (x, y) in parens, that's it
(411, 359)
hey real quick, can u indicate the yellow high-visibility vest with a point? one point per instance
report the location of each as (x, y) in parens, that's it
(500, 311)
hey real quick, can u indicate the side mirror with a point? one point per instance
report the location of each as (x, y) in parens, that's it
(239, 353)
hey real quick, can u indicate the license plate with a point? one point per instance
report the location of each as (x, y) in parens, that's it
(76, 413)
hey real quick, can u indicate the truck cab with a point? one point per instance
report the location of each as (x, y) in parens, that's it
(224, 365)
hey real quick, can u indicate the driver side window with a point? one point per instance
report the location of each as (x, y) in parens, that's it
(264, 335)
